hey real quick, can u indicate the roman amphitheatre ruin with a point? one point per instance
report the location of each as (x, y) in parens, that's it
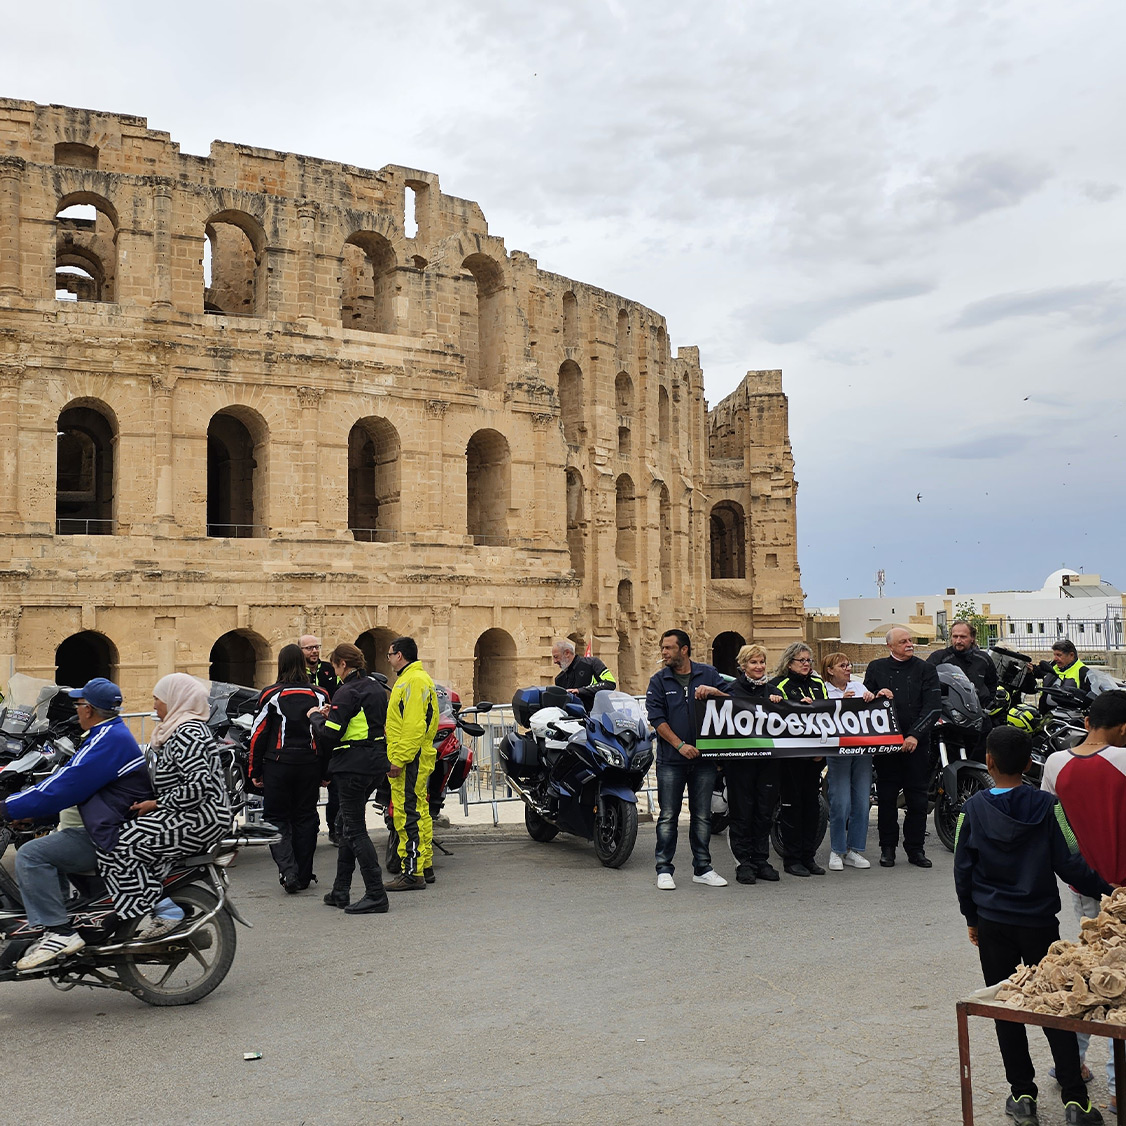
(253, 394)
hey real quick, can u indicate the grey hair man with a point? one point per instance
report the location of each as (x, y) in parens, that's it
(581, 676)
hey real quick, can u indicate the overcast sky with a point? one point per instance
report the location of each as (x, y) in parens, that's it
(916, 210)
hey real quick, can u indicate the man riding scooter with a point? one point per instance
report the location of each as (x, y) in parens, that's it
(92, 795)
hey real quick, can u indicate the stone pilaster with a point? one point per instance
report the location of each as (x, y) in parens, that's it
(11, 173)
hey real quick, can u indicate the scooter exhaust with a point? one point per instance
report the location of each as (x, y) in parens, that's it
(526, 798)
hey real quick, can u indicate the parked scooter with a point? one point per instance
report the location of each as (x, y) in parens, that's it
(957, 777)
(452, 764)
(178, 968)
(576, 773)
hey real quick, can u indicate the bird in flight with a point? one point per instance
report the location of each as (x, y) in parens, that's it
(919, 497)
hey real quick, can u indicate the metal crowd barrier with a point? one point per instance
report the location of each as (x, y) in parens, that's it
(487, 785)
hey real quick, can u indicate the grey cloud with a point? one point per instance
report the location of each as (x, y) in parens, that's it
(989, 447)
(987, 181)
(1099, 192)
(1095, 302)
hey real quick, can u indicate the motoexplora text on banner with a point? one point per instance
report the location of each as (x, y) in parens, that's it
(726, 728)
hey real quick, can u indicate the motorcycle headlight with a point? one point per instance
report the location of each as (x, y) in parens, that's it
(609, 755)
(642, 761)
(15, 748)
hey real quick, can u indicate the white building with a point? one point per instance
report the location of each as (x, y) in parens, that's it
(1084, 608)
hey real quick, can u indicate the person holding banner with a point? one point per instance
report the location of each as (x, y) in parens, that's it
(800, 778)
(913, 686)
(850, 779)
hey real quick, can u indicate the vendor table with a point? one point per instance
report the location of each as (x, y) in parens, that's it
(990, 1008)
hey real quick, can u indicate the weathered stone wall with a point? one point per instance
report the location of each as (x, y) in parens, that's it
(421, 433)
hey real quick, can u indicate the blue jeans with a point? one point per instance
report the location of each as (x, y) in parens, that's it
(40, 866)
(1084, 907)
(850, 790)
(672, 779)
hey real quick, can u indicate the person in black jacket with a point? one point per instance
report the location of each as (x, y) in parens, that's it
(913, 686)
(799, 779)
(284, 763)
(1011, 843)
(350, 734)
(320, 673)
(964, 653)
(581, 676)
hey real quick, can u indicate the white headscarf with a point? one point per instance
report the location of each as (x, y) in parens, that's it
(186, 697)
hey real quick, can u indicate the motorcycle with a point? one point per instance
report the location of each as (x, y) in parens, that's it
(453, 761)
(956, 777)
(579, 773)
(233, 707)
(721, 816)
(178, 968)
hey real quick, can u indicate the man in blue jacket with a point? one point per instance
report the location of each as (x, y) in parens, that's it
(671, 705)
(92, 795)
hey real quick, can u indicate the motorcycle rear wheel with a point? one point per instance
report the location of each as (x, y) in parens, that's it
(822, 825)
(538, 829)
(948, 807)
(616, 832)
(185, 971)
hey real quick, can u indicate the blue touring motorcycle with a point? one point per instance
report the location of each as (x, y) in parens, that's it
(576, 773)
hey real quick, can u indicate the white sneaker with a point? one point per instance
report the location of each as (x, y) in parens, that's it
(836, 863)
(712, 878)
(50, 947)
(665, 881)
(855, 860)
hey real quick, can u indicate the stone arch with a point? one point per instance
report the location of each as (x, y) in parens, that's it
(627, 662)
(482, 322)
(83, 656)
(623, 334)
(664, 430)
(725, 648)
(625, 596)
(237, 444)
(368, 283)
(576, 522)
(86, 435)
(570, 320)
(373, 644)
(374, 469)
(624, 403)
(241, 656)
(494, 666)
(234, 284)
(571, 402)
(625, 513)
(85, 247)
(487, 487)
(728, 541)
(664, 521)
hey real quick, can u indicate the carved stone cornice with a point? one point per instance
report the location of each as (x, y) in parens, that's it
(310, 396)
(436, 408)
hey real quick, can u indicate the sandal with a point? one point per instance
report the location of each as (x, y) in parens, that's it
(1084, 1071)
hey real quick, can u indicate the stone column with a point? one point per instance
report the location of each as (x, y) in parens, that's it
(163, 460)
(9, 634)
(10, 376)
(11, 172)
(439, 655)
(541, 427)
(310, 400)
(162, 240)
(307, 212)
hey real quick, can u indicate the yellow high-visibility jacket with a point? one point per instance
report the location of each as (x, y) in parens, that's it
(412, 714)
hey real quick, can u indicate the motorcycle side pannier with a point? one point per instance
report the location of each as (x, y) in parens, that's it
(523, 753)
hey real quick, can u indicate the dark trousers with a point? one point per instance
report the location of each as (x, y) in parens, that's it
(752, 794)
(800, 788)
(352, 832)
(1001, 947)
(291, 792)
(911, 774)
(332, 808)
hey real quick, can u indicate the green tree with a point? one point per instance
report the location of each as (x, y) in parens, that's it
(979, 623)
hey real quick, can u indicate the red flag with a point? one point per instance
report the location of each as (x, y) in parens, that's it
(588, 653)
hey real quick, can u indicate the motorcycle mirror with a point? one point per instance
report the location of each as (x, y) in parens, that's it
(474, 729)
(483, 706)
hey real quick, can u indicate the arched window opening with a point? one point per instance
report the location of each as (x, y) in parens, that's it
(576, 523)
(728, 548)
(83, 656)
(665, 522)
(663, 429)
(235, 484)
(494, 666)
(373, 481)
(662, 349)
(625, 596)
(373, 644)
(570, 320)
(85, 441)
(487, 487)
(85, 248)
(232, 284)
(73, 155)
(623, 335)
(627, 663)
(625, 510)
(571, 402)
(368, 283)
(725, 648)
(623, 393)
(482, 322)
(625, 444)
(241, 657)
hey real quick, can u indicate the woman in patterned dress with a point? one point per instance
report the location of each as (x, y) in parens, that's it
(189, 815)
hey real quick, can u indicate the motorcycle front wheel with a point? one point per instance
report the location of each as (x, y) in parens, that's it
(185, 970)
(822, 825)
(538, 829)
(616, 831)
(948, 807)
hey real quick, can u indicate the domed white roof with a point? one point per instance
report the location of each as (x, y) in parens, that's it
(1055, 580)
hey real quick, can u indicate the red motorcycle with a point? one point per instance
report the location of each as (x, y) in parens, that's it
(453, 762)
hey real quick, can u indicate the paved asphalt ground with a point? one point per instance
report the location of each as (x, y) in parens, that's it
(531, 985)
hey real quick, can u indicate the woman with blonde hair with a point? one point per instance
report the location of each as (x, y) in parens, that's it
(850, 777)
(799, 778)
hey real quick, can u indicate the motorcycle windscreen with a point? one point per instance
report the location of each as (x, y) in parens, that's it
(26, 703)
